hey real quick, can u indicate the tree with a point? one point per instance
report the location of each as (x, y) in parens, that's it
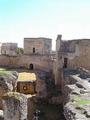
(20, 51)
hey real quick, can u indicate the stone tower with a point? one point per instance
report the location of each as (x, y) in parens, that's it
(59, 63)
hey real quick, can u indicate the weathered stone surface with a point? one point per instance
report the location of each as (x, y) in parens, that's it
(31, 106)
(82, 91)
(6, 49)
(84, 73)
(79, 85)
(80, 116)
(72, 114)
(70, 89)
(70, 79)
(87, 110)
(7, 84)
(1, 115)
(15, 106)
(42, 45)
(44, 84)
(77, 96)
(26, 86)
(69, 111)
(41, 87)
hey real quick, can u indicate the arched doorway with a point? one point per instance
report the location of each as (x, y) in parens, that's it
(65, 62)
(31, 67)
(33, 50)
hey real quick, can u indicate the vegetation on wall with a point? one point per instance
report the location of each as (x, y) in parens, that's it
(20, 51)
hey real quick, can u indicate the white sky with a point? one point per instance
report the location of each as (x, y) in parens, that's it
(44, 18)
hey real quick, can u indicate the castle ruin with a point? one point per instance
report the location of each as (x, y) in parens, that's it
(63, 71)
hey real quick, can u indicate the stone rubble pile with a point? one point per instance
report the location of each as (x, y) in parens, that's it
(1, 115)
(7, 84)
(77, 96)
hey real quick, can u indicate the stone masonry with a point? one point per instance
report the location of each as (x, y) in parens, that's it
(15, 106)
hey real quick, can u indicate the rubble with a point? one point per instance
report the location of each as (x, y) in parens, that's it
(7, 84)
(77, 98)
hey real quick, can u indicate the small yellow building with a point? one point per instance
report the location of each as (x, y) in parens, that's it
(26, 87)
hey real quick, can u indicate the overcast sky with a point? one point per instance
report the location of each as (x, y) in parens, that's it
(44, 18)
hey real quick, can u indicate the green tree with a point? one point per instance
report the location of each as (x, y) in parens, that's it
(20, 50)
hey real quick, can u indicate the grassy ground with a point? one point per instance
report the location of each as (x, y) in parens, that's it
(4, 71)
(23, 74)
(81, 101)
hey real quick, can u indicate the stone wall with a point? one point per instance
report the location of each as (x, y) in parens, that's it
(75, 52)
(41, 88)
(47, 45)
(31, 106)
(7, 84)
(30, 43)
(37, 46)
(26, 87)
(38, 61)
(79, 56)
(9, 49)
(4, 60)
(15, 106)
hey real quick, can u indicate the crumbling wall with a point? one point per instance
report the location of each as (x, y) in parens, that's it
(26, 87)
(15, 106)
(83, 59)
(41, 84)
(76, 52)
(38, 61)
(31, 106)
(81, 56)
(7, 84)
(4, 61)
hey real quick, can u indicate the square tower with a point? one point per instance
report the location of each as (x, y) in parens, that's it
(37, 46)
